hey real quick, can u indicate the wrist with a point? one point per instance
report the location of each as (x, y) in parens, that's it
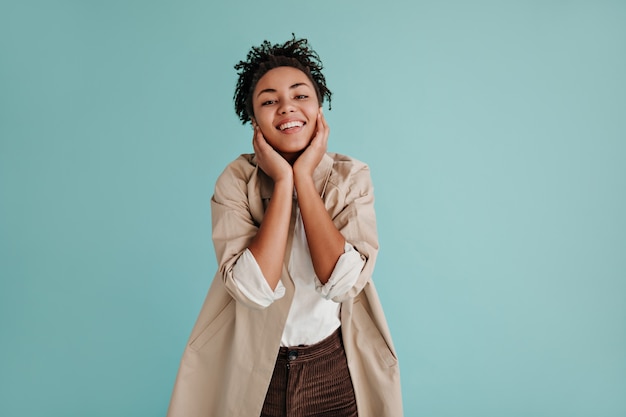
(303, 180)
(286, 181)
(300, 174)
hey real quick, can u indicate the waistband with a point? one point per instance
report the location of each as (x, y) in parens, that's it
(306, 353)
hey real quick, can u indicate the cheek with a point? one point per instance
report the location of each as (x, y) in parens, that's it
(313, 109)
(262, 118)
(266, 127)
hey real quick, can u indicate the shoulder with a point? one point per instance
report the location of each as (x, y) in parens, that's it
(236, 175)
(242, 167)
(346, 163)
(349, 172)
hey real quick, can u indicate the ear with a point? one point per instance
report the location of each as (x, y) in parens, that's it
(253, 122)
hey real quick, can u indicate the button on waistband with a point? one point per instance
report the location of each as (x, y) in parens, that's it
(293, 354)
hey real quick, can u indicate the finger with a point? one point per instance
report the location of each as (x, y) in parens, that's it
(257, 140)
(323, 119)
(258, 136)
(322, 128)
(254, 139)
(261, 144)
(319, 126)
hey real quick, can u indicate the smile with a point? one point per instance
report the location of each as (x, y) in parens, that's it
(290, 125)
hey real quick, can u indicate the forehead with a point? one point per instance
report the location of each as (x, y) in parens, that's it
(282, 77)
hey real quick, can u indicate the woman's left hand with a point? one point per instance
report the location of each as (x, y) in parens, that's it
(312, 155)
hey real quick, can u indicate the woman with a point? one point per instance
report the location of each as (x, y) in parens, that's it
(292, 324)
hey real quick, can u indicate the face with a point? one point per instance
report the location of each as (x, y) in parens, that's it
(285, 109)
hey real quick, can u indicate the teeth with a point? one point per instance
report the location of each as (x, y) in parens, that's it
(290, 125)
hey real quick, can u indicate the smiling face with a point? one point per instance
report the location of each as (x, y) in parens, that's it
(285, 109)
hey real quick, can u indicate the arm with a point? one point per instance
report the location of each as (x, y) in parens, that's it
(326, 243)
(353, 214)
(240, 223)
(268, 246)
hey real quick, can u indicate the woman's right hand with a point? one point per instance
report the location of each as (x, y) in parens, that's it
(268, 246)
(270, 161)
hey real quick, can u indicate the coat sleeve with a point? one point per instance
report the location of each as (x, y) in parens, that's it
(234, 225)
(356, 220)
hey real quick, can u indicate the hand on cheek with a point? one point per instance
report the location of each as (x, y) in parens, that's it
(311, 157)
(270, 161)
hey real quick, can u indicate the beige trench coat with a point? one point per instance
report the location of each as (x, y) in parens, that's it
(229, 359)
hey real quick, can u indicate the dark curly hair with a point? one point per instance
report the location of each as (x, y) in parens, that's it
(294, 53)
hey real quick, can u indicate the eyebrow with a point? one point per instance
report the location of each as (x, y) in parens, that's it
(272, 90)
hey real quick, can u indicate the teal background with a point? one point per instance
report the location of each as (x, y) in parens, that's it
(496, 135)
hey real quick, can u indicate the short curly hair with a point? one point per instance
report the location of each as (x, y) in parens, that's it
(294, 53)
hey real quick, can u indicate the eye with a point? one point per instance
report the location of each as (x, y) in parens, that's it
(302, 97)
(268, 102)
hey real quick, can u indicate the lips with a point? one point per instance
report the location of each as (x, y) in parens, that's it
(290, 125)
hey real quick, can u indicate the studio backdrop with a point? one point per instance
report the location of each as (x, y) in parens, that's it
(496, 137)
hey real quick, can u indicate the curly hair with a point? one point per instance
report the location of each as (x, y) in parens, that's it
(260, 59)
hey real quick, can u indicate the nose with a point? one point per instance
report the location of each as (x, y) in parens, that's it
(286, 107)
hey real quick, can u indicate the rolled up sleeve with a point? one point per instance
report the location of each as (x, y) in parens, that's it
(249, 279)
(344, 276)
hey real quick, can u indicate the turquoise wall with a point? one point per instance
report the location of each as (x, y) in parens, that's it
(496, 135)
